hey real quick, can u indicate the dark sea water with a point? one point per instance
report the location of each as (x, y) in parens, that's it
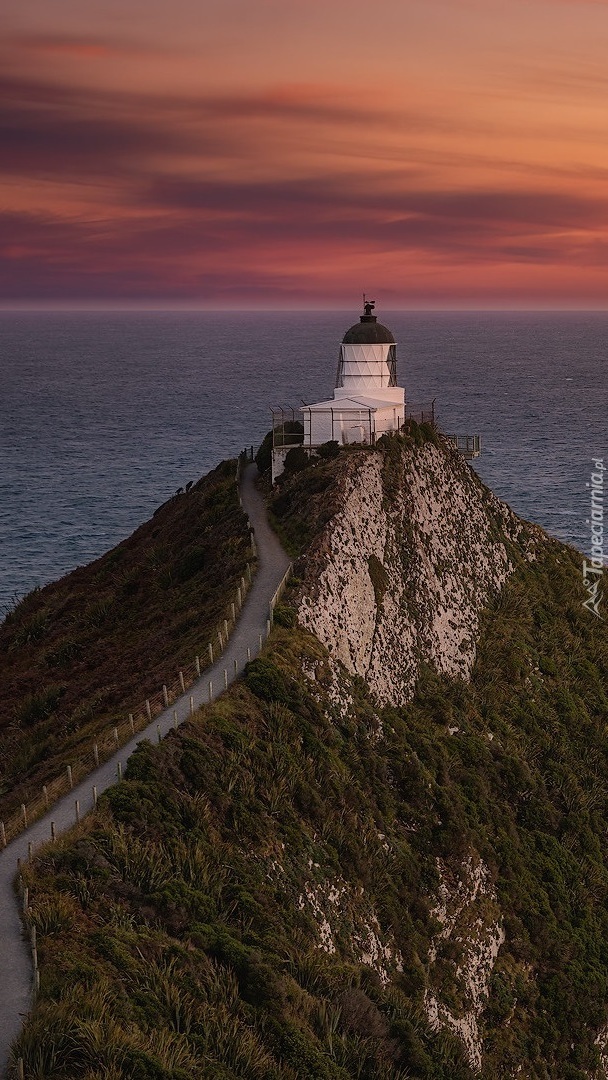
(103, 416)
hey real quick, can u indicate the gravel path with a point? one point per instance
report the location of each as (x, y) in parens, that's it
(16, 980)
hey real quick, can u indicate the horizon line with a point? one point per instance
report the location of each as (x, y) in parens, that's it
(117, 307)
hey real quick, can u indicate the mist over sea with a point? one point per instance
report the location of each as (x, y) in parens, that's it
(104, 415)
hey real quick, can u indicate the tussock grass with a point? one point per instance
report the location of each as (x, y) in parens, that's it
(77, 656)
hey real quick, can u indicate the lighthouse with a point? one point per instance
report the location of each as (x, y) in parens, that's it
(367, 402)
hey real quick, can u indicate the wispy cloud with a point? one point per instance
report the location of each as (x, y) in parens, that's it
(46, 129)
(237, 194)
(67, 45)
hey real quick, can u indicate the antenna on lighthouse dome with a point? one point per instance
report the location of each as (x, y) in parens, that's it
(368, 307)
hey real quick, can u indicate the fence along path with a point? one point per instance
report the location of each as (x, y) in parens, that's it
(252, 627)
(116, 735)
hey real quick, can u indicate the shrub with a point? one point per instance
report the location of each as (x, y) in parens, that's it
(285, 616)
(192, 563)
(65, 653)
(379, 578)
(32, 631)
(329, 450)
(263, 458)
(38, 706)
(266, 681)
(297, 459)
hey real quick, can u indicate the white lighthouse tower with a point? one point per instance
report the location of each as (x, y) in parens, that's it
(367, 401)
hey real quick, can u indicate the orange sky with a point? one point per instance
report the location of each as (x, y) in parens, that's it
(284, 154)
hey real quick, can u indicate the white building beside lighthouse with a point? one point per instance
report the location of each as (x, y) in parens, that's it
(367, 401)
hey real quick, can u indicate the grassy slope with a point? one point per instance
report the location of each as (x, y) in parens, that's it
(85, 650)
(172, 939)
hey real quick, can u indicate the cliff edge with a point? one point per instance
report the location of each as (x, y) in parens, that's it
(399, 574)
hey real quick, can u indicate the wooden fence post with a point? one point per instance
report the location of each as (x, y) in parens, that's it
(181, 681)
(20, 1072)
(248, 654)
(70, 779)
(233, 612)
(225, 679)
(119, 771)
(96, 755)
(3, 834)
(148, 709)
(116, 739)
(165, 696)
(132, 723)
(210, 690)
(197, 665)
(210, 653)
(53, 832)
(94, 796)
(191, 705)
(24, 815)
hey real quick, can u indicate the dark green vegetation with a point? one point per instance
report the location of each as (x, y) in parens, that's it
(81, 653)
(179, 929)
(289, 432)
(298, 512)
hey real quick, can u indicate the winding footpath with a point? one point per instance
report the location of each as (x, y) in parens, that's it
(16, 975)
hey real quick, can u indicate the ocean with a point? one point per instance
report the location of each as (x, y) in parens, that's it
(104, 415)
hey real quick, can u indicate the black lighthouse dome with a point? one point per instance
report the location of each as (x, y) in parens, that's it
(368, 331)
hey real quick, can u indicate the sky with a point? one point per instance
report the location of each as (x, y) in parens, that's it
(282, 154)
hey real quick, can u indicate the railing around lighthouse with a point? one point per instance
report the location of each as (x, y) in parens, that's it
(287, 428)
(421, 413)
(467, 445)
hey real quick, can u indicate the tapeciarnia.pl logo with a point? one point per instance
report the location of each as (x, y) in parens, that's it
(593, 571)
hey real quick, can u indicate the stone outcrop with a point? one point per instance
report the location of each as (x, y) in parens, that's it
(403, 570)
(471, 922)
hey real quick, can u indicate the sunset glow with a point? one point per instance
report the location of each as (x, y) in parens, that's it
(232, 154)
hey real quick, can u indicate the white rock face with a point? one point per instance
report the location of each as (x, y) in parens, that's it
(335, 905)
(341, 610)
(469, 918)
(601, 1042)
(435, 552)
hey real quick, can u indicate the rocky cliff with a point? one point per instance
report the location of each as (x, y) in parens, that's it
(383, 853)
(401, 573)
